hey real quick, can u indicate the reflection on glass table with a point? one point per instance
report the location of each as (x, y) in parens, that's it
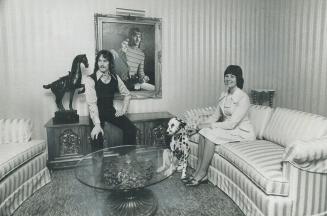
(125, 171)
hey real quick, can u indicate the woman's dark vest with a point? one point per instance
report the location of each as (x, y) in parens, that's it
(105, 96)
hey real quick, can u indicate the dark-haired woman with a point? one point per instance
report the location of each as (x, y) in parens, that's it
(229, 123)
(100, 88)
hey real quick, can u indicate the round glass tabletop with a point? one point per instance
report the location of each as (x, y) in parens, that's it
(125, 171)
(124, 167)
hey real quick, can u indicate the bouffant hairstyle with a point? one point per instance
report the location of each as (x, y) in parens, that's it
(107, 55)
(236, 71)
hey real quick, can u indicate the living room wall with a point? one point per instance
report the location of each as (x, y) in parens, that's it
(296, 32)
(277, 43)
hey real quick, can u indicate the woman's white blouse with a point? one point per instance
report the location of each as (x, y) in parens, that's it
(235, 125)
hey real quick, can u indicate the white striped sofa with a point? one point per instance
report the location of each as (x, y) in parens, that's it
(282, 173)
(22, 164)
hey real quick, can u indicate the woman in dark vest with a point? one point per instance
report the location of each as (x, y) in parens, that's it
(100, 88)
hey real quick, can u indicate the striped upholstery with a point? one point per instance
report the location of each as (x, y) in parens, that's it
(309, 191)
(13, 155)
(308, 155)
(194, 116)
(250, 199)
(286, 126)
(20, 185)
(259, 117)
(283, 175)
(22, 174)
(260, 161)
(15, 130)
(22, 164)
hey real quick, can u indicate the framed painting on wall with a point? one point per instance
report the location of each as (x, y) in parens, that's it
(135, 43)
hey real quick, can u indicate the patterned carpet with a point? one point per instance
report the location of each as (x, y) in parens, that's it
(65, 195)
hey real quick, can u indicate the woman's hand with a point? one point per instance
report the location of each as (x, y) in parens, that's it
(96, 131)
(204, 125)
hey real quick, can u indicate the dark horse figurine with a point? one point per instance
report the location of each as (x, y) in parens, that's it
(69, 83)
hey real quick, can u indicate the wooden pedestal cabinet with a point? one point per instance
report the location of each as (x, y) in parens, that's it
(67, 143)
(151, 127)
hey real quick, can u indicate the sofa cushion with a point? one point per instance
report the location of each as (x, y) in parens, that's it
(260, 161)
(13, 155)
(286, 126)
(259, 117)
(15, 130)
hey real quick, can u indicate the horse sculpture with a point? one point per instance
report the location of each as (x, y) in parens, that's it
(69, 83)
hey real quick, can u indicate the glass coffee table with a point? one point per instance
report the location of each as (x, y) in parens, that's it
(125, 171)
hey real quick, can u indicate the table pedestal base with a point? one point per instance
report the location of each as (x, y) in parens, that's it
(136, 202)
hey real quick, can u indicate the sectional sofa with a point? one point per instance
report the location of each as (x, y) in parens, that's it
(282, 173)
(22, 164)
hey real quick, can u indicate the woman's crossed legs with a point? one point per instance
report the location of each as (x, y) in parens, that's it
(206, 150)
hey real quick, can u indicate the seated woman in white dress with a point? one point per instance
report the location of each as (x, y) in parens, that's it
(229, 123)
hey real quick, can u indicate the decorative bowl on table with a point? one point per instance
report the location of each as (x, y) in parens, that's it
(125, 171)
(127, 174)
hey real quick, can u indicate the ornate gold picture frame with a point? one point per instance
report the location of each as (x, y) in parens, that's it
(141, 62)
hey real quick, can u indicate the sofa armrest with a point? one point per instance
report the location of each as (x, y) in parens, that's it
(15, 130)
(309, 155)
(195, 116)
